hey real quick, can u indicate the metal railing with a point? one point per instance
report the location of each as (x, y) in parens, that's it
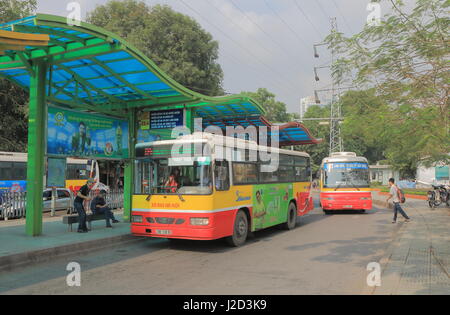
(13, 204)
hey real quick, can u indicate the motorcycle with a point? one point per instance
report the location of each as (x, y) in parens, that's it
(439, 195)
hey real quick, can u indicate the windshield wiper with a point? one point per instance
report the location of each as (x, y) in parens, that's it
(338, 187)
(353, 184)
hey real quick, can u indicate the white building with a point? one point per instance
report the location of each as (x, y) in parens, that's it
(305, 103)
(382, 173)
(437, 175)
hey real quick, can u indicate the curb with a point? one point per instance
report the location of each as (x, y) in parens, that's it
(409, 196)
(10, 262)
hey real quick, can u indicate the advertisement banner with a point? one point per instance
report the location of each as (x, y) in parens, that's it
(12, 186)
(79, 134)
(270, 204)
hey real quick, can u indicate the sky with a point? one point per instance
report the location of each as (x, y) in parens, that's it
(264, 43)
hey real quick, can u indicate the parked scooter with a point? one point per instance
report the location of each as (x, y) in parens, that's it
(439, 195)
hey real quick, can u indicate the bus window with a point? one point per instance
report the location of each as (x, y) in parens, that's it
(221, 175)
(286, 173)
(245, 173)
(6, 171)
(349, 174)
(158, 176)
(19, 171)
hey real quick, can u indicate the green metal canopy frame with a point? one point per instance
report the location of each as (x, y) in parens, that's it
(88, 68)
(93, 69)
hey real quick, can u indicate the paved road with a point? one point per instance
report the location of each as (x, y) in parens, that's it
(323, 255)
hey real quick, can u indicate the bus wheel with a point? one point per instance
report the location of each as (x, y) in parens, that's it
(291, 217)
(240, 230)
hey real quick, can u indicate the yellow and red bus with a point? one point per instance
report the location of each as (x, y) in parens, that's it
(345, 183)
(225, 188)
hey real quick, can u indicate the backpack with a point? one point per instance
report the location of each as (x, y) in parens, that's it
(400, 195)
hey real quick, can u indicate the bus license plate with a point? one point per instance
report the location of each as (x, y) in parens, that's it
(348, 206)
(164, 232)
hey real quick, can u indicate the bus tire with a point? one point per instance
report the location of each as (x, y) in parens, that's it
(240, 230)
(291, 217)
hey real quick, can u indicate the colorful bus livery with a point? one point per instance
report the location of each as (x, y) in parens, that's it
(217, 195)
(344, 183)
(13, 172)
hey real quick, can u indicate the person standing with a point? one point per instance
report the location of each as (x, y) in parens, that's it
(82, 195)
(99, 206)
(393, 194)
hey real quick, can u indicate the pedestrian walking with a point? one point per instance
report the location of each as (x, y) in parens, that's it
(82, 195)
(394, 195)
(99, 206)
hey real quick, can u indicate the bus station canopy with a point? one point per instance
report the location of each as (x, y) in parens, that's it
(92, 69)
(292, 133)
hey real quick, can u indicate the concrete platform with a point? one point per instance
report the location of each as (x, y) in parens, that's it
(18, 249)
(418, 261)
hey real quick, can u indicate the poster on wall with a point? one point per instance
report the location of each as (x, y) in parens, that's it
(79, 134)
(158, 125)
(56, 172)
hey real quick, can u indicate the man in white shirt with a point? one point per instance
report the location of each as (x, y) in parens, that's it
(393, 193)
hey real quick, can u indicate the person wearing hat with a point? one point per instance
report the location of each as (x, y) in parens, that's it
(82, 195)
(99, 206)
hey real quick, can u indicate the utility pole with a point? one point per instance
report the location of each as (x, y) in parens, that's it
(335, 114)
(336, 144)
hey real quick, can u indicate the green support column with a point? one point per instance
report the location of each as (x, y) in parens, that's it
(36, 149)
(129, 169)
(189, 119)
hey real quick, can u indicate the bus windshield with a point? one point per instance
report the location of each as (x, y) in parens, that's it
(346, 175)
(184, 175)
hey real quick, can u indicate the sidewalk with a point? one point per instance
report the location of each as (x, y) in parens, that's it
(17, 248)
(418, 261)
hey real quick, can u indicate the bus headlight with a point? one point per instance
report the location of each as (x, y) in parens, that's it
(365, 198)
(199, 221)
(136, 218)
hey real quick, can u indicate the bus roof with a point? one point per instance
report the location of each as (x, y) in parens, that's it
(22, 157)
(344, 158)
(212, 139)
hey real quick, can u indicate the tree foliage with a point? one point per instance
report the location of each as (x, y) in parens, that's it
(275, 110)
(13, 99)
(405, 61)
(320, 131)
(175, 42)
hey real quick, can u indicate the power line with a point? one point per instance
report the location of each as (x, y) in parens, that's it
(236, 61)
(261, 29)
(322, 9)
(301, 40)
(237, 43)
(306, 17)
(340, 13)
(238, 26)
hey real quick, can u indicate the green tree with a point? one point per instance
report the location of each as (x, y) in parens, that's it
(363, 130)
(275, 110)
(175, 42)
(319, 130)
(13, 99)
(405, 59)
